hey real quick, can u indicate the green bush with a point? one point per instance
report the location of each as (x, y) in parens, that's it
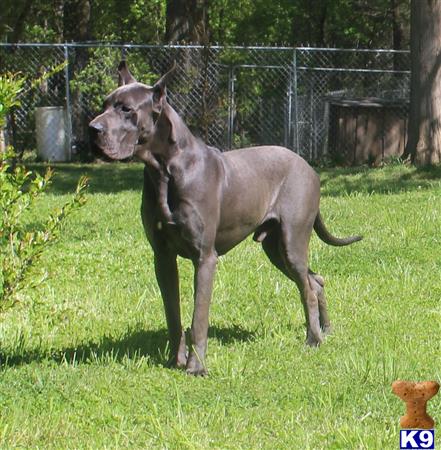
(10, 87)
(21, 247)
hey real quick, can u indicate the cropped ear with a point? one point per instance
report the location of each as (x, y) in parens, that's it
(124, 75)
(165, 130)
(160, 89)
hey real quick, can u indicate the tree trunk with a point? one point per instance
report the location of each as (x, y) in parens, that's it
(2, 140)
(187, 21)
(77, 23)
(322, 25)
(397, 32)
(59, 19)
(21, 21)
(424, 130)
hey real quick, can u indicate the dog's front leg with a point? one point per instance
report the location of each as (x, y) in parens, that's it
(203, 287)
(166, 270)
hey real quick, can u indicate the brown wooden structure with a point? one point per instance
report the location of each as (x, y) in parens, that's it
(366, 131)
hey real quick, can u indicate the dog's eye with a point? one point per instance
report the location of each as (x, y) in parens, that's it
(119, 106)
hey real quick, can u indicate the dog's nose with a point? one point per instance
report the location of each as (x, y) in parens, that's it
(96, 126)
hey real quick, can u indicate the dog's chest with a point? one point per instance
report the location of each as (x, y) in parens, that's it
(185, 234)
(180, 238)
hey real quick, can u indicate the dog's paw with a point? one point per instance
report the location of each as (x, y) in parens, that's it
(196, 367)
(312, 341)
(197, 372)
(327, 330)
(178, 361)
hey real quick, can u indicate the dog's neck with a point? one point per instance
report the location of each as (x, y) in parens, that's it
(185, 138)
(184, 141)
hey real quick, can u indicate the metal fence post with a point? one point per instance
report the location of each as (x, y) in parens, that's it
(288, 116)
(310, 98)
(231, 80)
(68, 103)
(295, 141)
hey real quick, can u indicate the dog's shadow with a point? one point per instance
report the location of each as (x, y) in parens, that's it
(151, 344)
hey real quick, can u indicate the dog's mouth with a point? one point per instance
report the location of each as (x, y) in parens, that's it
(142, 140)
(105, 150)
(104, 153)
(121, 147)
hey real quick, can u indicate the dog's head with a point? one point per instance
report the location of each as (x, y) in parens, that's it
(128, 117)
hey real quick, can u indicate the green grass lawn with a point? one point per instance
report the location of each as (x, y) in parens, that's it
(82, 357)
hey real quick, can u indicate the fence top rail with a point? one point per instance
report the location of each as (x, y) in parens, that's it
(351, 50)
(127, 45)
(215, 47)
(339, 69)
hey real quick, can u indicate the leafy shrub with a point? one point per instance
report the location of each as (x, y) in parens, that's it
(10, 87)
(21, 247)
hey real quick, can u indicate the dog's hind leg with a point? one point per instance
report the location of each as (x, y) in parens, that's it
(295, 254)
(290, 257)
(271, 245)
(318, 286)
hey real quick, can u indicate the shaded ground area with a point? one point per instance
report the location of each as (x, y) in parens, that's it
(104, 178)
(386, 180)
(149, 343)
(116, 177)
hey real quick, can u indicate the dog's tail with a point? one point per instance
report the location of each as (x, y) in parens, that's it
(328, 238)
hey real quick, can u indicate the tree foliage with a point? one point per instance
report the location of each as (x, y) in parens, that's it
(340, 23)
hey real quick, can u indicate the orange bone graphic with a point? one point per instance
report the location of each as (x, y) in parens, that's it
(416, 396)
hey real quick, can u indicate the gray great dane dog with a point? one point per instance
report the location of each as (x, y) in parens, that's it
(199, 203)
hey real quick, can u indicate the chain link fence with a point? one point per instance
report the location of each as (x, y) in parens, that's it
(347, 105)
